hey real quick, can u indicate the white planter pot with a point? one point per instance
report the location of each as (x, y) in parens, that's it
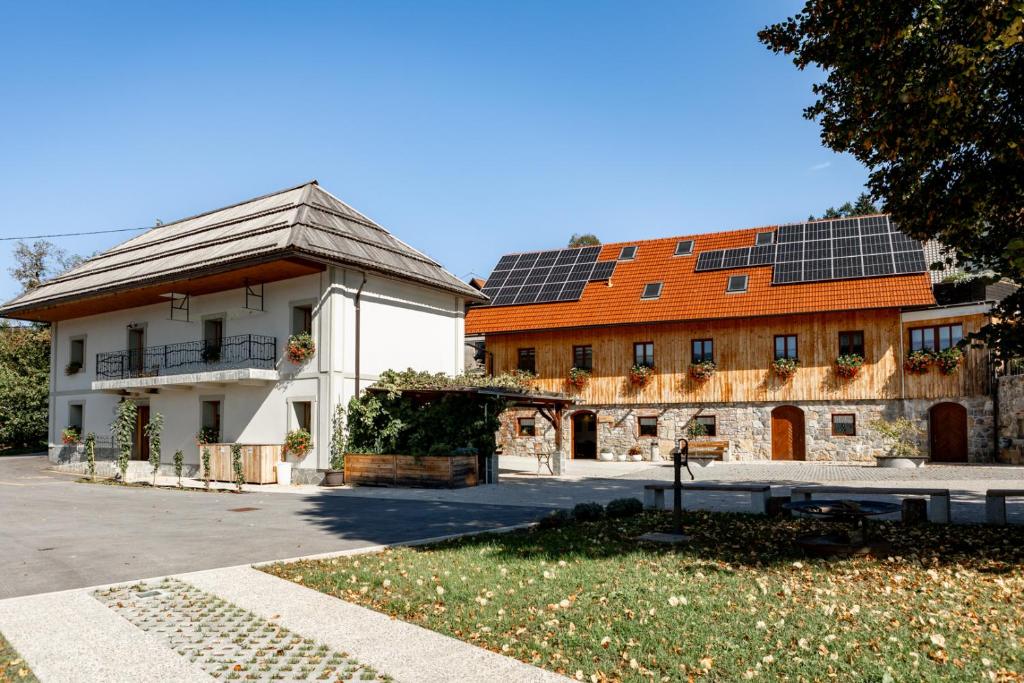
(636, 458)
(606, 456)
(621, 457)
(284, 473)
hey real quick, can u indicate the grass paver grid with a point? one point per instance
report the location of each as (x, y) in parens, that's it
(13, 669)
(227, 641)
(739, 602)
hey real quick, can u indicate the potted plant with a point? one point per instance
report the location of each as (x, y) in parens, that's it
(785, 368)
(335, 476)
(72, 368)
(918, 362)
(70, 436)
(578, 378)
(206, 435)
(848, 365)
(701, 372)
(640, 375)
(695, 430)
(636, 454)
(949, 360)
(297, 442)
(300, 348)
(606, 456)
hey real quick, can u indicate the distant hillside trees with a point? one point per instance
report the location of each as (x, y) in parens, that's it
(586, 239)
(862, 207)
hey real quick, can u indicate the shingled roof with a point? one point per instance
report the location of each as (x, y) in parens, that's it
(688, 295)
(300, 222)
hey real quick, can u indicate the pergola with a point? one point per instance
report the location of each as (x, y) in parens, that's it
(549, 405)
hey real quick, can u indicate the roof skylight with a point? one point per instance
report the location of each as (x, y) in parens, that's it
(684, 248)
(737, 283)
(652, 290)
(627, 253)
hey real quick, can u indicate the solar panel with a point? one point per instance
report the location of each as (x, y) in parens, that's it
(736, 258)
(846, 267)
(546, 276)
(846, 246)
(876, 244)
(790, 233)
(817, 231)
(709, 260)
(817, 269)
(762, 255)
(787, 272)
(790, 251)
(878, 264)
(909, 262)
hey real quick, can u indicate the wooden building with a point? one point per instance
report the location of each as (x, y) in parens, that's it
(658, 336)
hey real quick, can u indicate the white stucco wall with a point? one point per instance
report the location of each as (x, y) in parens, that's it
(402, 325)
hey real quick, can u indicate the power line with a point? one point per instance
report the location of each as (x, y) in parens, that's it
(73, 234)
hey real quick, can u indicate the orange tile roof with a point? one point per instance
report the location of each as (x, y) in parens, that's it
(687, 295)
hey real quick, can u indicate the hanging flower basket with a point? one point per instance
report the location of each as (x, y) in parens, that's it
(578, 379)
(297, 442)
(848, 365)
(785, 368)
(300, 348)
(701, 372)
(918, 362)
(70, 436)
(640, 376)
(949, 360)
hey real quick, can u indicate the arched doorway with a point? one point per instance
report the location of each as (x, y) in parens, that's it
(788, 437)
(947, 432)
(584, 435)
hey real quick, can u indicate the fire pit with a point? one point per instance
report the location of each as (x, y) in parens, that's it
(853, 541)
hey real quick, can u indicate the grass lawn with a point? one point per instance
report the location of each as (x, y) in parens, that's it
(12, 666)
(739, 602)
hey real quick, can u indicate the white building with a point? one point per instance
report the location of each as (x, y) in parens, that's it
(191, 320)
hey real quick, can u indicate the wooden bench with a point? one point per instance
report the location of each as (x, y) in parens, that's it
(654, 494)
(704, 453)
(938, 499)
(995, 504)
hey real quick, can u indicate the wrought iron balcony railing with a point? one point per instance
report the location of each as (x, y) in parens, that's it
(227, 353)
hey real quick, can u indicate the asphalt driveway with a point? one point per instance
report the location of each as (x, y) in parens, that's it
(57, 534)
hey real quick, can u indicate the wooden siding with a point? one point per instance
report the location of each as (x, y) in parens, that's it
(427, 471)
(970, 380)
(743, 350)
(259, 463)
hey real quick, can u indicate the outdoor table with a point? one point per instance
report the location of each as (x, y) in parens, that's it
(854, 512)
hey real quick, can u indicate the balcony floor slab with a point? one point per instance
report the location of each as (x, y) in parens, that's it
(243, 376)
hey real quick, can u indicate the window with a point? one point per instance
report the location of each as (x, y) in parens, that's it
(303, 415)
(844, 425)
(76, 416)
(710, 423)
(583, 357)
(765, 238)
(211, 419)
(851, 342)
(527, 426)
(702, 350)
(627, 253)
(76, 355)
(647, 426)
(937, 338)
(527, 361)
(213, 339)
(302, 319)
(785, 346)
(643, 354)
(684, 248)
(737, 283)
(652, 290)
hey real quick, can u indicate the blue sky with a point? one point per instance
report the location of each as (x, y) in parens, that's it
(469, 129)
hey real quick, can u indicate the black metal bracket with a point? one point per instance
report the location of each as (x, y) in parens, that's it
(253, 296)
(179, 307)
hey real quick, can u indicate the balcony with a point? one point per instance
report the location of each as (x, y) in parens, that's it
(245, 359)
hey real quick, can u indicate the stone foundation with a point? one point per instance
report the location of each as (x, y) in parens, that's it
(1011, 420)
(747, 426)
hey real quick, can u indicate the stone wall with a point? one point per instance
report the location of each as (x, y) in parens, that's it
(1011, 419)
(747, 426)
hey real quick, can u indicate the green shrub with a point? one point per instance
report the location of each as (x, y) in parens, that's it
(624, 507)
(588, 512)
(555, 519)
(122, 429)
(179, 465)
(90, 455)
(236, 465)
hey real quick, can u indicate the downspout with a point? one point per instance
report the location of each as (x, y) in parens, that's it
(358, 304)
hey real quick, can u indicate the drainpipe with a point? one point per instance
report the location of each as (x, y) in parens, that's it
(358, 305)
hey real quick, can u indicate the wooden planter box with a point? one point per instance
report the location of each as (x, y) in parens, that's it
(259, 462)
(425, 471)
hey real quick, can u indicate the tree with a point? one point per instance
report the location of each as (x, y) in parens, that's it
(122, 429)
(24, 386)
(586, 239)
(153, 429)
(929, 96)
(39, 261)
(862, 207)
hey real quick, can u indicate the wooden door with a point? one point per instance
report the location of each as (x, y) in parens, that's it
(136, 350)
(947, 427)
(584, 435)
(141, 450)
(788, 437)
